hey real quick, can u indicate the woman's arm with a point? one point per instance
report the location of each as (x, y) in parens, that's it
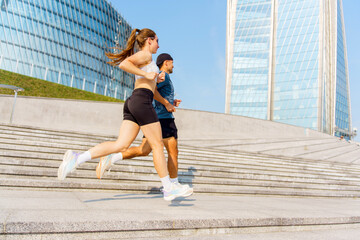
(131, 65)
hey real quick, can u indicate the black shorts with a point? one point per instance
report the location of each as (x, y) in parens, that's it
(139, 109)
(168, 128)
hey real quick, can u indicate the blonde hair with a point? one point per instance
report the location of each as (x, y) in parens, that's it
(136, 36)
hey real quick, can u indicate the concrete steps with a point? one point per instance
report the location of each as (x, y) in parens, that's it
(204, 178)
(58, 147)
(144, 166)
(349, 157)
(30, 157)
(236, 192)
(306, 147)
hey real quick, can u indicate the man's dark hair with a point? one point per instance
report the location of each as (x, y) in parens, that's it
(162, 58)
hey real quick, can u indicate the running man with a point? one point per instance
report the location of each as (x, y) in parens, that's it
(164, 111)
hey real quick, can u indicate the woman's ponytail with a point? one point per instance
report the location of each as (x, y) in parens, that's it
(131, 43)
(117, 58)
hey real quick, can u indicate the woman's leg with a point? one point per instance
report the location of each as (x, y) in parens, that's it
(152, 132)
(72, 160)
(127, 134)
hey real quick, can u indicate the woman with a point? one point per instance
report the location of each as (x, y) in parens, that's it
(138, 111)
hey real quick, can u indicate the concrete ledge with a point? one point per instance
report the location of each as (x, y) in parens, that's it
(63, 114)
(176, 224)
(328, 232)
(105, 118)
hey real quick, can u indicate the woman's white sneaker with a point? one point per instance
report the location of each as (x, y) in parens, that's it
(68, 164)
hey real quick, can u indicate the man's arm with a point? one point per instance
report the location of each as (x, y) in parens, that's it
(169, 107)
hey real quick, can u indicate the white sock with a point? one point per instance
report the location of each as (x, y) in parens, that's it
(84, 157)
(116, 157)
(166, 183)
(174, 180)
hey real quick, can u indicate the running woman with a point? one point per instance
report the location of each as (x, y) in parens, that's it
(164, 108)
(138, 113)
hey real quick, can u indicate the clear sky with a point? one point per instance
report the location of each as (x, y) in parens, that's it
(194, 33)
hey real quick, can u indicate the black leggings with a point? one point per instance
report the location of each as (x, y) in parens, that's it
(138, 107)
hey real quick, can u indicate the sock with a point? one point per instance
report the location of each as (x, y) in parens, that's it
(84, 157)
(116, 157)
(174, 180)
(166, 183)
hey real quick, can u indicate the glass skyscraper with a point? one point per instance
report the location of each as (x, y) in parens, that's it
(64, 42)
(286, 61)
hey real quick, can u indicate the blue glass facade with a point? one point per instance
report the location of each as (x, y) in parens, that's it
(250, 66)
(296, 72)
(64, 42)
(342, 115)
(280, 62)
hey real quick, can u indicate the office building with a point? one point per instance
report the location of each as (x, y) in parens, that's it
(64, 42)
(286, 62)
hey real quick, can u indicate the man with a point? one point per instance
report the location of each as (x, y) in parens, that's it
(164, 111)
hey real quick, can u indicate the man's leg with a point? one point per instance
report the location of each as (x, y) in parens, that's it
(143, 150)
(171, 146)
(105, 162)
(172, 149)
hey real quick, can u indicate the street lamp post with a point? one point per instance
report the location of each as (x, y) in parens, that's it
(16, 90)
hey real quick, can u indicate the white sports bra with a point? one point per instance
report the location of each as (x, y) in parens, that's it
(151, 67)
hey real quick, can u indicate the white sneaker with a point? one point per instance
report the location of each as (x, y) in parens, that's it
(104, 164)
(189, 191)
(68, 164)
(176, 190)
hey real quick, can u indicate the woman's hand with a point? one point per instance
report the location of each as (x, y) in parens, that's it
(151, 75)
(161, 77)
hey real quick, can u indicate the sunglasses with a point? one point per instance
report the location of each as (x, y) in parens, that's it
(152, 38)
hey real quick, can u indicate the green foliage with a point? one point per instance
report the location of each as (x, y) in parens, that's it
(41, 88)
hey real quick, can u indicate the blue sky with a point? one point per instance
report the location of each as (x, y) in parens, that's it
(194, 33)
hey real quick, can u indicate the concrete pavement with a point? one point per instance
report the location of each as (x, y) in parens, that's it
(121, 215)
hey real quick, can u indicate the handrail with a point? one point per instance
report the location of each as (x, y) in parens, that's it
(16, 90)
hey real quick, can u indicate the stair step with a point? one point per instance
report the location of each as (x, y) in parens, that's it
(47, 148)
(208, 166)
(185, 171)
(148, 187)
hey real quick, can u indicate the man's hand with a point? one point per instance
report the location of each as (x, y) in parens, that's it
(170, 107)
(177, 102)
(161, 77)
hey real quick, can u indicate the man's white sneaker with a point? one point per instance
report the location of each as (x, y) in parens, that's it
(176, 190)
(104, 164)
(189, 190)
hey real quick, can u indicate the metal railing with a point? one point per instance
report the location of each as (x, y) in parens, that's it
(16, 90)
